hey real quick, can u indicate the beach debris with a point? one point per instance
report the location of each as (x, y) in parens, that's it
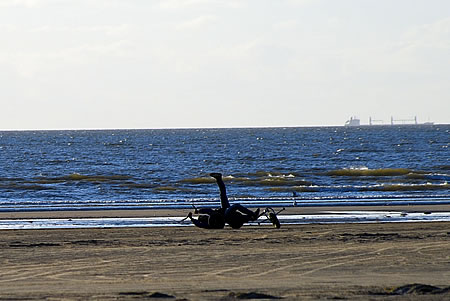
(248, 296)
(19, 244)
(155, 295)
(271, 216)
(160, 295)
(419, 289)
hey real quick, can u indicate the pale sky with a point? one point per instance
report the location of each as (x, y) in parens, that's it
(76, 64)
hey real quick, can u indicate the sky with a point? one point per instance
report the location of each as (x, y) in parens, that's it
(112, 64)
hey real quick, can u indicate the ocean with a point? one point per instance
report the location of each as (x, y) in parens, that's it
(168, 168)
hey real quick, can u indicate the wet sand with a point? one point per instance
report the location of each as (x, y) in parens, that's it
(183, 212)
(301, 262)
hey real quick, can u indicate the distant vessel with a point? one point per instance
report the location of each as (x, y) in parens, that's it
(353, 121)
(412, 121)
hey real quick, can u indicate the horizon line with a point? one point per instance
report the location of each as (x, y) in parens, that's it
(210, 127)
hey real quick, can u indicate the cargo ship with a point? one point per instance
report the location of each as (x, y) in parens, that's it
(354, 121)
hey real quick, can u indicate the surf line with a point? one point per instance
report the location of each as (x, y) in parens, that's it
(297, 219)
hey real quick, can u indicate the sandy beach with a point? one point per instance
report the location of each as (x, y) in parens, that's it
(296, 262)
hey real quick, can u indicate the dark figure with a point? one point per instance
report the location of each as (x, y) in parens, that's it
(235, 215)
(208, 218)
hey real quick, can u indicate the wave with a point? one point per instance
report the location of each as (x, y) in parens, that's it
(407, 187)
(95, 178)
(254, 179)
(295, 189)
(138, 185)
(45, 183)
(360, 150)
(116, 144)
(336, 189)
(76, 177)
(429, 176)
(199, 180)
(271, 174)
(19, 186)
(166, 188)
(365, 172)
(270, 182)
(271, 179)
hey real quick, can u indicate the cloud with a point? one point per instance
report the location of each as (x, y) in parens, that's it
(42, 45)
(436, 35)
(302, 2)
(198, 22)
(421, 50)
(29, 3)
(183, 4)
(119, 48)
(33, 64)
(121, 29)
(7, 28)
(287, 25)
(43, 3)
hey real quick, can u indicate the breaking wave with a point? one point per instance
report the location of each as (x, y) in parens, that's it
(199, 180)
(366, 172)
(408, 187)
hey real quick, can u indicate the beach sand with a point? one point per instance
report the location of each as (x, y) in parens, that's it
(296, 262)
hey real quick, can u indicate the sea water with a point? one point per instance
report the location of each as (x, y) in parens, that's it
(168, 168)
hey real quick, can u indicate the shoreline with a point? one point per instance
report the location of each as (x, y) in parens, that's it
(139, 213)
(175, 218)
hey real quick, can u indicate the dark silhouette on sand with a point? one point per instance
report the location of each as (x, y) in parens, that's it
(209, 218)
(234, 215)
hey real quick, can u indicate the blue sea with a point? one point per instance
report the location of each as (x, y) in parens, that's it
(168, 168)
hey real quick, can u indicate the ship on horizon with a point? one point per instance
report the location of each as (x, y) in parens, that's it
(355, 122)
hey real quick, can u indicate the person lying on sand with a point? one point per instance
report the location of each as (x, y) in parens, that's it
(208, 218)
(234, 215)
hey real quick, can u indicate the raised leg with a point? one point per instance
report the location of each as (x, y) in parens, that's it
(223, 191)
